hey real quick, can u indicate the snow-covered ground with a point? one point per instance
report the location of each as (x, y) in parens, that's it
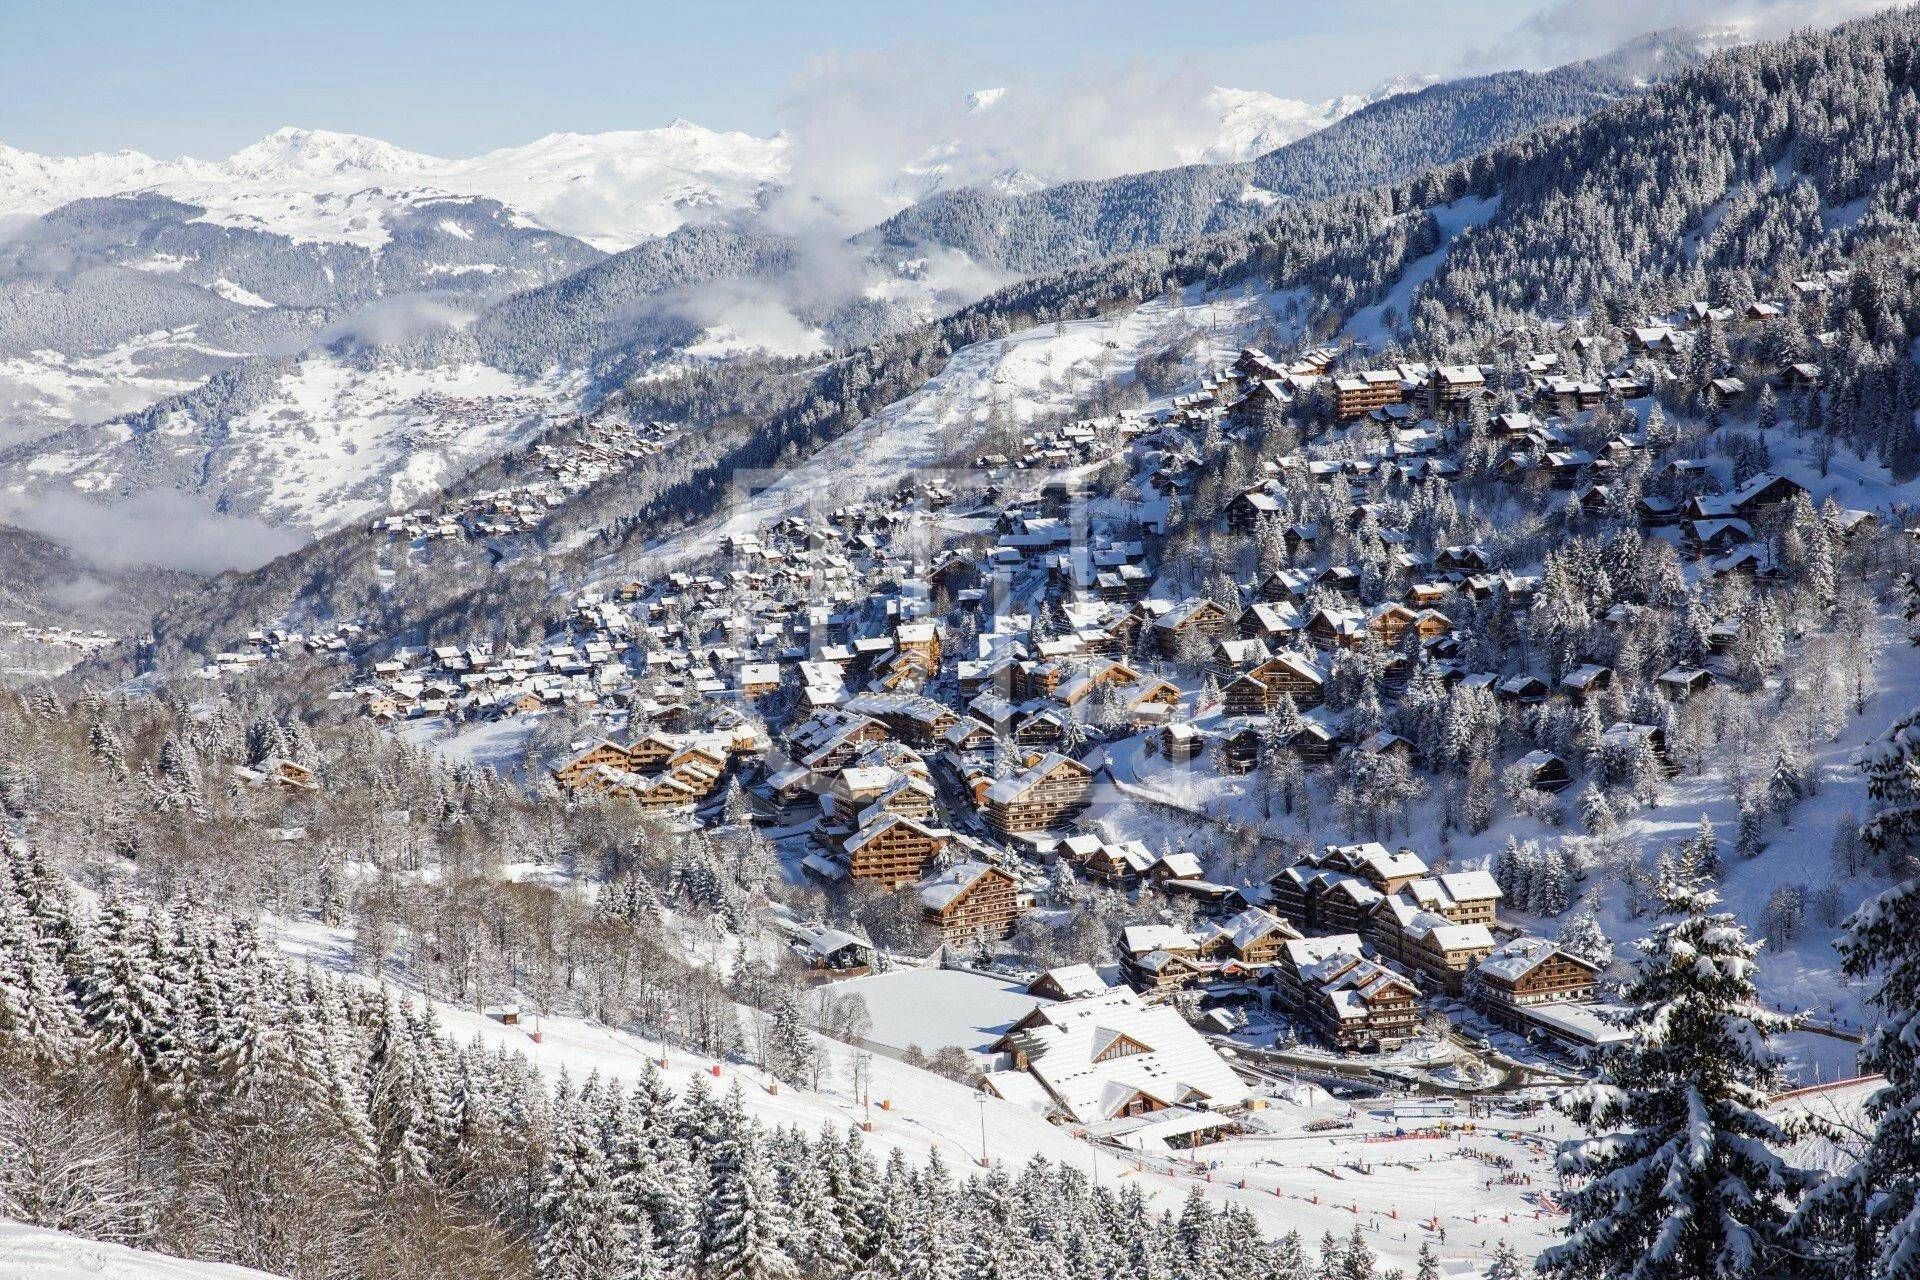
(45, 391)
(1294, 1178)
(334, 442)
(1370, 324)
(935, 1008)
(1040, 371)
(34, 1253)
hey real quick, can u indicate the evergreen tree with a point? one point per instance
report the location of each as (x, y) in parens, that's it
(1863, 1222)
(579, 1233)
(1679, 1180)
(743, 1234)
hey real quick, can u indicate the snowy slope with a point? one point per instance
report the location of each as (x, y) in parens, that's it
(1289, 1177)
(330, 440)
(34, 1253)
(1037, 371)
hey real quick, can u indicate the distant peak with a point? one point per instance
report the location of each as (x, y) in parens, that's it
(290, 149)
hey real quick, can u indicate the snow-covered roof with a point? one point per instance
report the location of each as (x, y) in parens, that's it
(1075, 980)
(1161, 1056)
(1139, 939)
(939, 892)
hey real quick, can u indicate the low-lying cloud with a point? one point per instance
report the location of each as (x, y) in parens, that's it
(398, 320)
(161, 528)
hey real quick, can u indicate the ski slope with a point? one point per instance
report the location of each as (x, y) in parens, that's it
(1289, 1177)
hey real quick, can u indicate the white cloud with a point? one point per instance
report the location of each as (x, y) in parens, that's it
(160, 527)
(1568, 30)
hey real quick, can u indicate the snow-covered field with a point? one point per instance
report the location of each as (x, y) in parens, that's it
(935, 1008)
(34, 1253)
(46, 391)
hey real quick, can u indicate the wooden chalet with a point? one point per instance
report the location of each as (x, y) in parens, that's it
(1352, 1002)
(1526, 972)
(1050, 789)
(893, 850)
(969, 902)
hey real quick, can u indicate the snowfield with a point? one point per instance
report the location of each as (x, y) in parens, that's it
(34, 1253)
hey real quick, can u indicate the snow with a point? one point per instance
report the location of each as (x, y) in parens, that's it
(934, 1008)
(1253, 122)
(35, 1253)
(234, 293)
(43, 391)
(1294, 1178)
(612, 190)
(1369, 323)
(1035, 372)
(334, 441)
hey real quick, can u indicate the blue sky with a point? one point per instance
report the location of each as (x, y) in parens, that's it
(202, 78)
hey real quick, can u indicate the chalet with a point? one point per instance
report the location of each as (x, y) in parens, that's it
(1195, 617)
(600, 752)
(1427, 943)
(1522, 689)
(1159, 956)
(1352, 1002)
(1258, 692)
(1324, 894)
(1046, 792)
(892, 850)
(1360, 394)
(967, 736)
(1245, 512)
(1681, 683)
(758, 679)
(829, 739)
(1545, 771)
(1453, 387)
(279, 772)
(1586, 680)
(1526, 972)
(1270, 622)
(969, 902)
(1123, 863)
(1070, 982)
(1109, 1058)
(1181, 741)
(1718, 536)
(1253, 937)
(835, 950)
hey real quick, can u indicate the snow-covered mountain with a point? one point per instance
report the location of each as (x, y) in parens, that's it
(1253, 123)
(611, 190)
